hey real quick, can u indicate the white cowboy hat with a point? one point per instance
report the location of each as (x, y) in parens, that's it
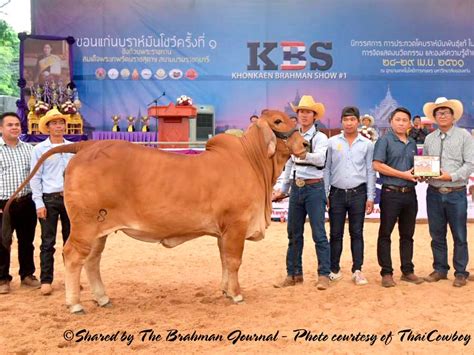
(453, 104)
(51, 115)
(307, 103)
(366, 116)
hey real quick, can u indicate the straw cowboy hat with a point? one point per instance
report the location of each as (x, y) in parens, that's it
(307, 103)
(366, 116)
(453, 104)
(51, 115)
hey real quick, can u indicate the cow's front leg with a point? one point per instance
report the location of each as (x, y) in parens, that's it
(225, 274)
(92, 267)
(233, 246)
(73, 261)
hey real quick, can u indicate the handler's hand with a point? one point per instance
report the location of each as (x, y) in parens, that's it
(41, 213)
(408, 175)
(369, 207)
(278, 195)
(444, 176)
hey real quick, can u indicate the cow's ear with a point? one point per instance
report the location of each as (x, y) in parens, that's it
(268, 136)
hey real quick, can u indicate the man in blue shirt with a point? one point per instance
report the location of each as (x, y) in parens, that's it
(393, 159)
(349, 180)
(307, 197)
(48, 186)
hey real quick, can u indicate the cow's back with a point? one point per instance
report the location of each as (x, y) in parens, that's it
(118, 185)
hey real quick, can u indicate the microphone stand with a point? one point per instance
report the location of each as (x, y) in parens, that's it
(155, 101)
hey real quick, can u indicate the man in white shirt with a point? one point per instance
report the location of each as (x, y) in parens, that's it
(48, 186)
(307, 197)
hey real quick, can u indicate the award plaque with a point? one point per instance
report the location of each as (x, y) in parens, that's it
(427, 165)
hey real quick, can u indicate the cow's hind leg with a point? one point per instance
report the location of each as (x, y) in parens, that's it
(92, 266)
(74, 258)
(233, 247)
(225, 273)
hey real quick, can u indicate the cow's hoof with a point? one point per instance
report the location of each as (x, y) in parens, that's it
(239, 299)
(104, 301)
(77, 309)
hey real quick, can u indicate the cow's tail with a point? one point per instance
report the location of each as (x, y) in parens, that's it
(6, 219)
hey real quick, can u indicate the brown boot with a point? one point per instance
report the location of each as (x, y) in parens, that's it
(387, 281)
(4, 287)
(290, 281)
(412, 278)
(31, 281)
(323, 283)
(435, 276)
(460, 281)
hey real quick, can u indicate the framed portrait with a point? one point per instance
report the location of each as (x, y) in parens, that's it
(45, 59)
(45, 63)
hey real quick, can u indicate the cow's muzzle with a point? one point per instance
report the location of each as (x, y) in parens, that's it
(285, 135)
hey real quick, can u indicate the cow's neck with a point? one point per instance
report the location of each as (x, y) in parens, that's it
(267, 169)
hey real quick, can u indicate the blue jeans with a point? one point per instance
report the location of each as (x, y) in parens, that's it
(307, 200)
(444, 209)
(351, 202)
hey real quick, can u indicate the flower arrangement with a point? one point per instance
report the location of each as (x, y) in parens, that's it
(41, 108)
(368, 132)
(184, 100)
(68, 108)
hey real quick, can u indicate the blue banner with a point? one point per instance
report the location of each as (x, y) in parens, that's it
(238, 58)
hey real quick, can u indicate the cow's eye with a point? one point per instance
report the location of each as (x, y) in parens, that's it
(278, 121)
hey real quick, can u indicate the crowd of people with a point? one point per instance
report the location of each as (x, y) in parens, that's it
(339, 175)
(42, 199)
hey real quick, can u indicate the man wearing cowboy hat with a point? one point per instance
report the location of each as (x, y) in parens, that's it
(367, 129)
(307, 197)
(48, 186)
(446, 198)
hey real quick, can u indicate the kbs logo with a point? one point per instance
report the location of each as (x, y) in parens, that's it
(294, 55)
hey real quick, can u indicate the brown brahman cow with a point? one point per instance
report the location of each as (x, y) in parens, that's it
(164, 197)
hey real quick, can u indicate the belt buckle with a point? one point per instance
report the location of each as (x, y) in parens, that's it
(403, 189)
(444, 190)
(300, 182)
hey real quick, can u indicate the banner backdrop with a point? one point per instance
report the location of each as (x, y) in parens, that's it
(241, 57)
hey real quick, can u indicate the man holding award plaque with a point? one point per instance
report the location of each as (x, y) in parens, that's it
(393, 159)
(446, 200)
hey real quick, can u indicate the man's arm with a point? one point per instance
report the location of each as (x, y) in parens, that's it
(36, 182)
(320, 147)
(327, 170)
(371, 176)
(465, 171)
(389, 171)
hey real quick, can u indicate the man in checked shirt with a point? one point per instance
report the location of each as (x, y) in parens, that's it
(15, 159)
(307, 197)
(446, 199)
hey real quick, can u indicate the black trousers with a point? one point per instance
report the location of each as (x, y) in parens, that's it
(54, 210)
(23, 221)
(402, 207)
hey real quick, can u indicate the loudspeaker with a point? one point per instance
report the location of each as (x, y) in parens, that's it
(203, 126)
